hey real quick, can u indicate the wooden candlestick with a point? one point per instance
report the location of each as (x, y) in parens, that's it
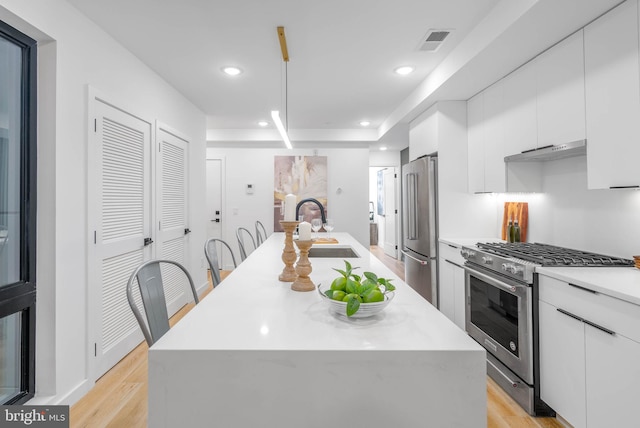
(303, 268)
(289, 253)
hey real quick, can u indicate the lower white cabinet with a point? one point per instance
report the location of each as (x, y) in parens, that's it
(452, 296)
(589, 372)
(562, 362)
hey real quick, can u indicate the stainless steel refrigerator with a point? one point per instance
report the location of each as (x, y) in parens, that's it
(420, 226)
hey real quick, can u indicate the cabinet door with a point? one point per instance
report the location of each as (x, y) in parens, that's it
(494, 169)
(562, 364)
(459, 297)
(613, 373)
(446, 289)
(519, 119)
(612, 83)
(561, 99)
(475, 143)
(423, 134)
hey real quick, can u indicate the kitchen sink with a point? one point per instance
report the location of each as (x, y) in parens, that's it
(333, 252)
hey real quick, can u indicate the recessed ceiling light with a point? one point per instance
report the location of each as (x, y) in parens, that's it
(365, 123)
(383, 148)
(231, 70)
(263, 123)
(404, 70)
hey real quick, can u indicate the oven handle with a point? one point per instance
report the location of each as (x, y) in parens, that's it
(497, 283)
(512, 382)
(422, 262)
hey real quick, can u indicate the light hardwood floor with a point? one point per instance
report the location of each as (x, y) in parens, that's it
(119, 398)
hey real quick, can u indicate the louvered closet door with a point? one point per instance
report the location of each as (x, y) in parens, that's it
(120, 202)
(172, 215)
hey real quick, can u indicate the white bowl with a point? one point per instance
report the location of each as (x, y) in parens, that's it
(365, 310)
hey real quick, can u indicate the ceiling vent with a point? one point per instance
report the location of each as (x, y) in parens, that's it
(433, 39)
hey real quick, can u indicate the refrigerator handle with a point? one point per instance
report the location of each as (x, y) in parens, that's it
(412, 200)
(422, 262)
(432, 206)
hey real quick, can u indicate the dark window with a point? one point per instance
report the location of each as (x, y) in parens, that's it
(17, 215)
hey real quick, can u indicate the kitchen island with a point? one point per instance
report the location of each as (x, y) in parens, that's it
(254, 353)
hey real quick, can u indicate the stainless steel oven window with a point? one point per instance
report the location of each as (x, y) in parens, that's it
(495, 312)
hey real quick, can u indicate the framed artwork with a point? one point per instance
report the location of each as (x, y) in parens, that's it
(303, 176)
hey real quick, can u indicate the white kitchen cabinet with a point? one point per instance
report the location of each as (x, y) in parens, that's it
(589, 353)
(562, 364)
(486, 171)
(612, 88)
(612, 375)
(475, 143)
(519, 127)
(423, 134)
(519, 118)
(451, 287)
(494, 167)
(560, 92)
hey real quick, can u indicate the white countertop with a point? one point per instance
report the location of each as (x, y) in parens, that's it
(252, 310)
(459, 242)
(620, 282)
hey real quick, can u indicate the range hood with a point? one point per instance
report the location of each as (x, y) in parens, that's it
(547, 153)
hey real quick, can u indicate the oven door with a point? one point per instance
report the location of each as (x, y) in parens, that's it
(498, 316)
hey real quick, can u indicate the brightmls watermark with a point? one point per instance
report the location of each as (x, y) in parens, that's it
(34, 416)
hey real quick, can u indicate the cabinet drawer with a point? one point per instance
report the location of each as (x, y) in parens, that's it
(451, 253)
(608, 312)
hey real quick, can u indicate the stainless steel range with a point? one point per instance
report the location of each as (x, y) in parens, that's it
(502, 307)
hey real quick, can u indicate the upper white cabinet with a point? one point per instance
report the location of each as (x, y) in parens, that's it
(612, 84)
(475, 143)
(423, 134)
(486, 141)
(494, 169)
(560, 92)
(519, 118)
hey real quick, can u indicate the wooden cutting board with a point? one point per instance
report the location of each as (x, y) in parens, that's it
(516, 210)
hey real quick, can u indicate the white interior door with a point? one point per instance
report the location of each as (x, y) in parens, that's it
(172, 214)
(119, 221)
(214, 198)
(214, 208)
(390, 212)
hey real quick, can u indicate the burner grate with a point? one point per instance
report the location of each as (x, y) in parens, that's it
(551, 255)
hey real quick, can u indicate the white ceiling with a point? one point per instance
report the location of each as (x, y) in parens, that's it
(342, 56)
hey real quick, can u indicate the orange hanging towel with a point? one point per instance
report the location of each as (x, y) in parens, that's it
(519, 211)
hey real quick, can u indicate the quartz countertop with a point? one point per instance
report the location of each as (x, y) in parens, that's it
(260, 312)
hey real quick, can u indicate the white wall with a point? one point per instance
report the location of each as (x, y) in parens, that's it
(384, 158)
(567, 214)
(347, 188)
(75, 53)
(604, 221)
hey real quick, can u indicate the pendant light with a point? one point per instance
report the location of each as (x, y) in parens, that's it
(275, 114)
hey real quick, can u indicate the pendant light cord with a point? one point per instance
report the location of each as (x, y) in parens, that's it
(286, 95)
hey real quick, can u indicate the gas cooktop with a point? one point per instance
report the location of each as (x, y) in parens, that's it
(550, 255)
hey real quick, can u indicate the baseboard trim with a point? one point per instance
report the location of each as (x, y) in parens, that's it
(70, 398)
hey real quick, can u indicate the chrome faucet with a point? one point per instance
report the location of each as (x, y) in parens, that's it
(315, 201)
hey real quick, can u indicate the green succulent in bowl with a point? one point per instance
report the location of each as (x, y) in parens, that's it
(355, 289)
